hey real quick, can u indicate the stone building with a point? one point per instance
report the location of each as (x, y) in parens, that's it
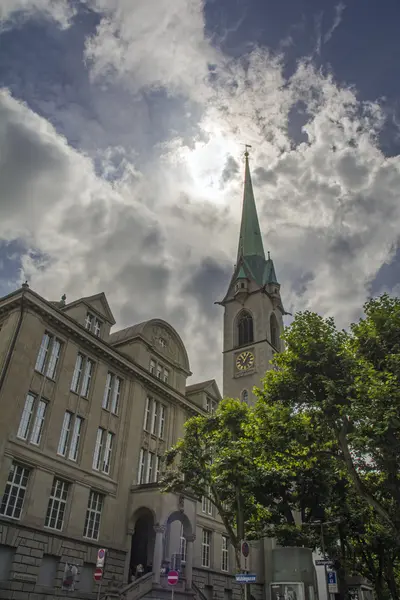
(86, 418)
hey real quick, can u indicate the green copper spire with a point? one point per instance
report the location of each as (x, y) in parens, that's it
(250, 240)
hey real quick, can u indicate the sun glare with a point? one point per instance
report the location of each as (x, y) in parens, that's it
(205, 164)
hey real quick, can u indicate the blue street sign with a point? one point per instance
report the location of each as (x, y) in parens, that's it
(245, 578)
(332, 578)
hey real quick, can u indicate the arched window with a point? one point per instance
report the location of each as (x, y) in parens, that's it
(245, 329)
(274, 331)
(245, 396)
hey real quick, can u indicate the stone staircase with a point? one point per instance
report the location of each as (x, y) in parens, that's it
(145, 587)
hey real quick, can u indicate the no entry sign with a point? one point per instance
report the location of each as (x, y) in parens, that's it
(98, 574)
(173, 577)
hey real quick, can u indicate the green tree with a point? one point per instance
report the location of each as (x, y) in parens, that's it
(348, 385)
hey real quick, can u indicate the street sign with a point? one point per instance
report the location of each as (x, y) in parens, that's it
(98, 574)
(323, 561)
(244, 556)
(332, 582)
(173, 577)
(245, 578)
(101, 555)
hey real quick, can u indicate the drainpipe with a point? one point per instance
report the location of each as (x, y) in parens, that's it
(12, 346)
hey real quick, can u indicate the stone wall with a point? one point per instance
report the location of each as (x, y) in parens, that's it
(32, 565)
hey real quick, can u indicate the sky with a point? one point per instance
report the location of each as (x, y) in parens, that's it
(122, 131)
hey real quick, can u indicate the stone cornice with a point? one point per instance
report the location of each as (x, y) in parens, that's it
(99, 347)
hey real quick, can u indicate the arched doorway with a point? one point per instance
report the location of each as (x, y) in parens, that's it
(178, 530)
(143, 538)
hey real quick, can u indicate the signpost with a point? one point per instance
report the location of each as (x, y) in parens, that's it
(172, 578)
(332, 582)
(245, 578)
(98, 573)
(244, 555)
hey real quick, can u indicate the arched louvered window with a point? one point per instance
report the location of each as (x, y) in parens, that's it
(245, 329)
(274, 331)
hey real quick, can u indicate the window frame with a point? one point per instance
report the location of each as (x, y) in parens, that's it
(93, 515)
(30, 428)
(9, 491)
(57, 503)
(48, 357)
(244, 329)
(82, 375)
(206, 540)
(225, 554)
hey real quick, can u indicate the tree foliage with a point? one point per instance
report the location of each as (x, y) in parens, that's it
(321, 443)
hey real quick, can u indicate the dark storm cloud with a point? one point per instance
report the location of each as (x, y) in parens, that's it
(23, 156)
(208, 285)
(261, 175)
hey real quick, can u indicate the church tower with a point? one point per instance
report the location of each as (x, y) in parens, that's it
(253, 310)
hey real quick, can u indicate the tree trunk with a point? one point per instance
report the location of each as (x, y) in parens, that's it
(390, 578)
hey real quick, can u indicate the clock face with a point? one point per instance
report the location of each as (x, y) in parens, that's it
(245, 361)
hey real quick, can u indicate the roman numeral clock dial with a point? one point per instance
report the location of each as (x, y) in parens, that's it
(245, 361)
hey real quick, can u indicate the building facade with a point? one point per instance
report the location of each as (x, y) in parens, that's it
(86, 418)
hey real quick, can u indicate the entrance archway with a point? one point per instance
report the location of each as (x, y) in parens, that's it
(178, 530)
(143, 538)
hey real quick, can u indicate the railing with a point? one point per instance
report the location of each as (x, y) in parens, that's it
(138, 588)
(199, 593)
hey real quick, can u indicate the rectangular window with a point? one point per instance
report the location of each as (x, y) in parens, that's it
(211, 405)
(152, 367)
(154, 417)
(26, 418)
(108, 391)
(89, 322)
(65, 432)
(161, 425)
(97, 327)
(166, 375)
(77, 376)
(32, 419)
(158, 468)
(48, 571)
(43, 352)
(116, 393)
(206, 506)
(150, 467)
(57, 504)
(112, 393)
(37, 429)
(182, 547)
(87, 376)
(147, 414)
(159, 372)
(54, 358)
(206, 548)
(107, 453)
(93, 516)
(225, 554)
(76, 436)
(98, 449)
(82, 375)
(141, 470)
(13, 498)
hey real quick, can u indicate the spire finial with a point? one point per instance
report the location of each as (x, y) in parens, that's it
(246, 150)
(269, 256)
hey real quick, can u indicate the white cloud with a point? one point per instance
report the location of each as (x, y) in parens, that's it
(161, 240)
(152, 43)
(60, 11)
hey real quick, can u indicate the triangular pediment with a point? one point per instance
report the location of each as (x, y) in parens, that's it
(98, 303)
(209, 387)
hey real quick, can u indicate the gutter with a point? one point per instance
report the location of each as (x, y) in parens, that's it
(12, 346)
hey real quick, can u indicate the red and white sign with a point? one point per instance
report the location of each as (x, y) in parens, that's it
(173, 577)
(101, 555)
(98, 574)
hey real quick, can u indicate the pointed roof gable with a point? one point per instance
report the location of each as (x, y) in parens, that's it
(209, 386)
(250, 240)
(98, 302)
